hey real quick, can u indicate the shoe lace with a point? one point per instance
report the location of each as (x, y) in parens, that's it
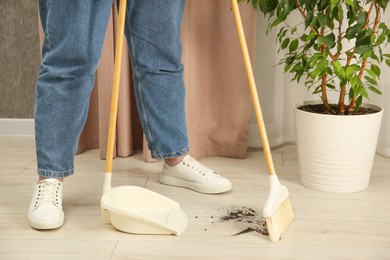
(197, 166)
(48, 192)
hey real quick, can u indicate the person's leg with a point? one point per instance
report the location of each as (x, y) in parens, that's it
(153, 33)
(74, 33)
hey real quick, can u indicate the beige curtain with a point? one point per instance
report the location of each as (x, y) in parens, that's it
(217, 100)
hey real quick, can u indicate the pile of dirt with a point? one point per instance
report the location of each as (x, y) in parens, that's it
(247, 218)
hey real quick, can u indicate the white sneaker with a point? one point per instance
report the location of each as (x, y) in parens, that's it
(193, 175)
(45, 211)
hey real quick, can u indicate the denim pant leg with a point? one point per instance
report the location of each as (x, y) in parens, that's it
(74, 34)
(153, 33)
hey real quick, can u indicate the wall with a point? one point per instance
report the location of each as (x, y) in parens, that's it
(19, 57)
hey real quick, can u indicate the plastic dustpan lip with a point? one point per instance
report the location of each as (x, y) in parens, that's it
(173, 203)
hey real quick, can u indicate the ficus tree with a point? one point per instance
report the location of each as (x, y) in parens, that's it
(336, 45)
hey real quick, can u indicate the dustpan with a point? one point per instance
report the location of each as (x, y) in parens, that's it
(133, 209)
(137, 210)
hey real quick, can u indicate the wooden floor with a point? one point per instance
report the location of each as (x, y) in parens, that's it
(327, 226)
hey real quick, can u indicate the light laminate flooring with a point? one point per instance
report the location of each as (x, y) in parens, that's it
(327, 226)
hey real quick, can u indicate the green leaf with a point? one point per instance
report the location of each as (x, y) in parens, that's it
(371, 80)
(349, 72)
(309, 45)
(372, 74)
(361, 17)
(330, 40)
(333, 3)
(375, 57)
(285, 43)
(376, 70)
(308, 19)
(320, 41)
(266, 6)
(297, 68)
(367, 54)
(322, 4)
(358, 103)
(311, 36)
(351, 93)
(322, 19)
(282, 35)
(353, 31)
(331, 86)
(363, 91)
(355, 81)
(308, 82)
(293, 45)
(336, 65)
(381, 39)
(362, 49)
(351, 14)
(363, 39)
(388, 62)
(375, 90)
(349, 2)
(278, 20)
(317, 90)
(339, 70)
(339, 47)
(383, 3)
(294, 30)
(320, 69)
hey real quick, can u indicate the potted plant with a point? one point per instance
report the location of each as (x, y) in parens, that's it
(336, 46)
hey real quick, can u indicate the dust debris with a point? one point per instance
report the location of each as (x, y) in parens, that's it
(247, 218)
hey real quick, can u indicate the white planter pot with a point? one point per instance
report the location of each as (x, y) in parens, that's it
(336, 153)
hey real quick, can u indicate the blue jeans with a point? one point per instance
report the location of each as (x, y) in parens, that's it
(74, 34)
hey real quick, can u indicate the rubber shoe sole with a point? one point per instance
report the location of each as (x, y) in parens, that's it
(46, 225)
(193, 175)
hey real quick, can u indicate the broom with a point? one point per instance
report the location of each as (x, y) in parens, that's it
(277, 210)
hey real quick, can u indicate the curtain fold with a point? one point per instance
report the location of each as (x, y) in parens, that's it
(128, 132)
(217, 98)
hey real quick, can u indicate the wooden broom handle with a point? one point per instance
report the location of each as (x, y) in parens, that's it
(253, 89)
(115, 85)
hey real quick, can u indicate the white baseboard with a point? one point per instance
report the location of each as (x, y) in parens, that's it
(10, 126)
(15, 127)
(254, 140)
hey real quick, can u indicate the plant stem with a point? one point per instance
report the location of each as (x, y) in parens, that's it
(341, 99)
(324, 94)
(364, 63)
(323, 81)
(343, 89)
(368, 13)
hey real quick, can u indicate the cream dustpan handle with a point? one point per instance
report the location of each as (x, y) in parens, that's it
(115, 95)
(253, 89)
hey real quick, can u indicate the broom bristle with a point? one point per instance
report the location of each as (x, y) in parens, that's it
(280, 220)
